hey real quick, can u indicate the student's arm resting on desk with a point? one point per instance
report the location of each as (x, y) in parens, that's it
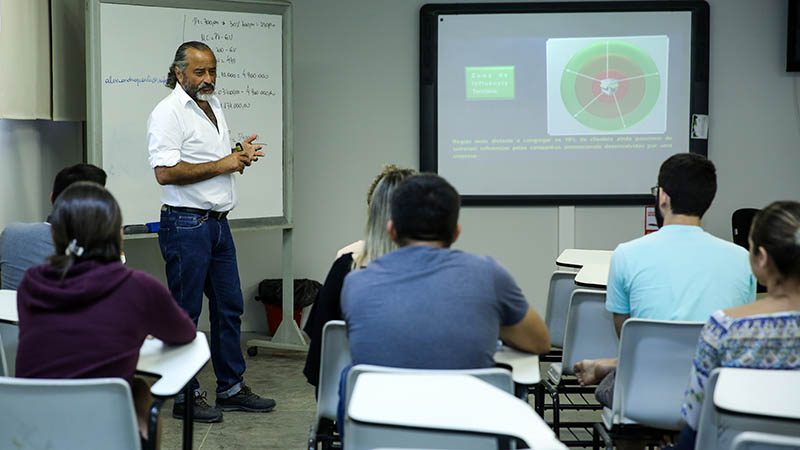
(529, 334)
(520, 326)
(166, 320)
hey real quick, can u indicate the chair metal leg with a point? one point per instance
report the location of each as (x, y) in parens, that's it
(539, 399)
(556, 413)
(152, 424)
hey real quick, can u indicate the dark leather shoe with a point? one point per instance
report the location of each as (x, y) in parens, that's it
(202, 412)
(246, 400)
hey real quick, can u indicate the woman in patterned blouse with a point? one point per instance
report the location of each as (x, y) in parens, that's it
(760, 335)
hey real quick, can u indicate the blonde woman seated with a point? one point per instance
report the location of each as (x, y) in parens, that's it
(760, 335)
(356, 255)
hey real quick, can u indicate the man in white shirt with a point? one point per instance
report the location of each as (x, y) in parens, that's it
(190, 152)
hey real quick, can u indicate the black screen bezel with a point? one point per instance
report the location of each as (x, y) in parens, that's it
(429, 15)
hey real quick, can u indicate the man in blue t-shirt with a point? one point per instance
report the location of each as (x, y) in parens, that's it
(427, 306)
(24, 245)
(678, 273)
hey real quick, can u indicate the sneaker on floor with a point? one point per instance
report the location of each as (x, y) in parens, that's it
(202, 412)
(246, 400)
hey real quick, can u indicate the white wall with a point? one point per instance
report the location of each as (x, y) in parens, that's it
(356, 107)
(31, 153)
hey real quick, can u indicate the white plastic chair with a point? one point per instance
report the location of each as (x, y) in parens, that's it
(67, 414)
(655, 357)
(751, 440)
(739, 400)
(359, 436)
(589, 334)
(334, 357)
(9, 333)
(562, 283)
(3, 365)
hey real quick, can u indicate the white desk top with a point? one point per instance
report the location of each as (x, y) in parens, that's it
(524, 366)
(772, 393)
(175, 364)
(8, 306)
(592, 275)
(447, 402)
(577, 258)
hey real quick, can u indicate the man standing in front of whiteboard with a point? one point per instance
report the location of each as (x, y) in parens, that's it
(190, 151)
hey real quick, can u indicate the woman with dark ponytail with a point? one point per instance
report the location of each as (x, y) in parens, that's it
(760, 335)
(85, 315)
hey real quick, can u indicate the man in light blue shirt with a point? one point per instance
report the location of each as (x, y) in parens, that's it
(679, 272)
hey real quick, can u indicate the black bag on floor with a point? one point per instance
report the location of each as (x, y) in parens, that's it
(270, 291)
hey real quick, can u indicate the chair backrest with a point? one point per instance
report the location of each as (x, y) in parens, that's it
(355, 434)
(86, 413)
(335, 356)
(773, 404)
(590, 332)
(3, 365)
(741, 220)
(9, 335)
(752, 440)
(562, 283)
(655, 357)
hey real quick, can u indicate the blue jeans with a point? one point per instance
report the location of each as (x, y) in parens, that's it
(201, 258)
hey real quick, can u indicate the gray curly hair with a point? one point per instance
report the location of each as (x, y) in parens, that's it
(180, 61)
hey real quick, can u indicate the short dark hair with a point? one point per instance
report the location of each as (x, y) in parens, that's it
(690, 180)
(78, 172)
(425, 208)
(89, 215)
(777, 229)
(180, 62)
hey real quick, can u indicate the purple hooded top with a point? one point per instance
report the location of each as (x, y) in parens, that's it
(92, 323)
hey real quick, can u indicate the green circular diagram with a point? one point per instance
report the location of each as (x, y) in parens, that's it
(610, 85)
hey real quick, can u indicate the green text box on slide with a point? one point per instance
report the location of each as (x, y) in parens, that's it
(490, 82)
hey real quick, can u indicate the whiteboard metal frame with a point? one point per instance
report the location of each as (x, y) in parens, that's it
(94, 86)
(288, 335)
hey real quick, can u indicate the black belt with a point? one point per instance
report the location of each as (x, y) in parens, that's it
(219, 215)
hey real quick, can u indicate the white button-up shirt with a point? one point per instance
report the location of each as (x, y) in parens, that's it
(178, 130)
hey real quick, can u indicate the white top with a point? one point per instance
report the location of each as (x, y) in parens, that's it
(592, 275)
(577, 258)
(524, 366)
(447, 402)
(8, 306)
(176, 364)
(762, 392)
(178, 130)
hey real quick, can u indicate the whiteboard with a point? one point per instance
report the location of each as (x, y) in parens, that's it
(132, 46)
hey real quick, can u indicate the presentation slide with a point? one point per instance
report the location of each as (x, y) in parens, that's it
(561, 103)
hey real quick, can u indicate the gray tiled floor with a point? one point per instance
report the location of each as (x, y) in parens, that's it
(272, 373)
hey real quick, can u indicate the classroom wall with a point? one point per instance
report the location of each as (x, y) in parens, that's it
(356, 107)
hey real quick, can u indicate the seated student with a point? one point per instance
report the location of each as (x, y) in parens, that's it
(327, 306)
(761, 335)
(427, 306)
(85, 315)
(24, 245)
(679, 272)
